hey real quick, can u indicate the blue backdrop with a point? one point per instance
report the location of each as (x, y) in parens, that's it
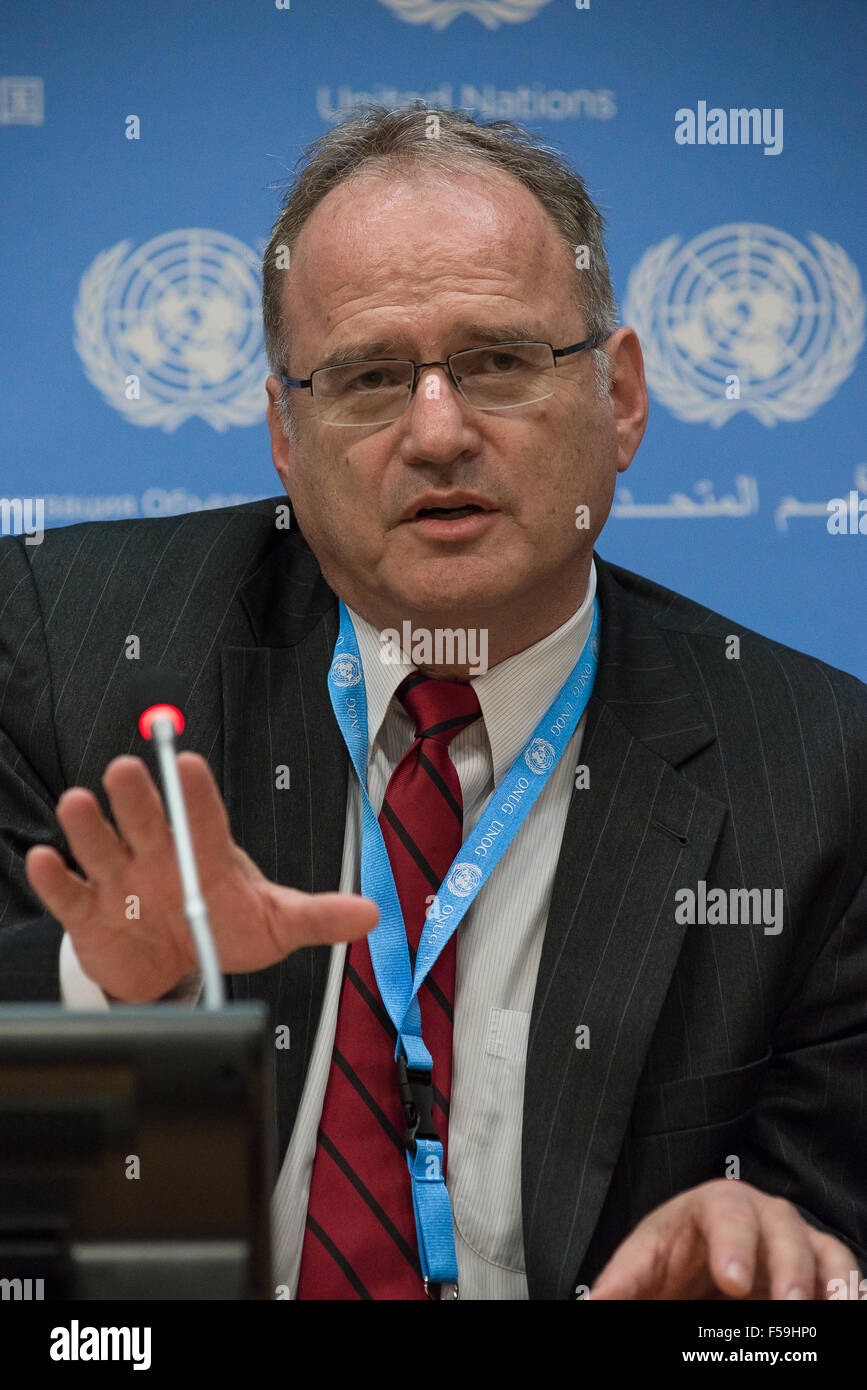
(131, 356)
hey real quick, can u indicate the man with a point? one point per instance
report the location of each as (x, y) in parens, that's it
(655, 1106)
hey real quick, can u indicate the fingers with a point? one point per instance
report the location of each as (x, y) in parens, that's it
(729, 1237)
(206, 811)
(788, 1255)
(66, 896)
(725, 1239)
(834, 1262)
(634, 1270)
(730, 1224)
(141, 819)
(136, 806)
(141, 816)
(255, 922)
(94, 843)
(781, 1256)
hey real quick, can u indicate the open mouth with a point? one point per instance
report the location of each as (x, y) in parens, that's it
(448, 513)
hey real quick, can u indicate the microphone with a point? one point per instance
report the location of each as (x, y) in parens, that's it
(157, 701)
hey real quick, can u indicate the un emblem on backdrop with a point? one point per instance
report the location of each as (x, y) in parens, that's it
(174, 330)
(750, 302)
(439, 13)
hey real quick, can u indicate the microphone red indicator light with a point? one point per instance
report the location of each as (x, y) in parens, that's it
(164, 711)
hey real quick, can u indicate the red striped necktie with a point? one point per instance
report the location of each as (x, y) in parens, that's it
(360, 1239)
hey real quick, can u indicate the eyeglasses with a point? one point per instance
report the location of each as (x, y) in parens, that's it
(498, 377)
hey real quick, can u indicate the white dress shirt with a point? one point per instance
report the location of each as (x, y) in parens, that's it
(498, 951)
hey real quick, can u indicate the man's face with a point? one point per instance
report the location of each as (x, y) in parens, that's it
(417, 264)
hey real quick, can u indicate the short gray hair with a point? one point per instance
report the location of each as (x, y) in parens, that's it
(376, 139)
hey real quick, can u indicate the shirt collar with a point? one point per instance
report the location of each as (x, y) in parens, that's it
(513, 695)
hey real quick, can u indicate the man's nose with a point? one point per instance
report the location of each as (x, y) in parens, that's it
(431, 376)
(434, 383)
(437, 417)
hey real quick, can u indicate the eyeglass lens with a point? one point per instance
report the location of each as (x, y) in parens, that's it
(491, 378)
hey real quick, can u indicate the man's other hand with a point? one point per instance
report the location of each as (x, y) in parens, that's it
(136, 958)
(724, 1239)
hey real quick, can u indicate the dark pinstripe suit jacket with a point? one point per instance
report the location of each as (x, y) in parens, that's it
(705, 1041)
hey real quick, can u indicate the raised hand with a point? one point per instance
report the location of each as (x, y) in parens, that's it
(133, 870)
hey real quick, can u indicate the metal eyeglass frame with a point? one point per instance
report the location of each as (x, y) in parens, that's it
(307, 382)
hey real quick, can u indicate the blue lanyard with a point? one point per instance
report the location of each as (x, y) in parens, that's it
(476, 860)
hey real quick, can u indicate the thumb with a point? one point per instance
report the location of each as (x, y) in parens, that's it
(316, 919)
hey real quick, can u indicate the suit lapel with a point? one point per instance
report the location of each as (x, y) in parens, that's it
(639, 831)
(279, 726)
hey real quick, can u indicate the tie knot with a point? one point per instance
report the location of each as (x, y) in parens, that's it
(439, 709)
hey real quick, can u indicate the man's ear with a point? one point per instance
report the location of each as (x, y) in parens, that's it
(280, 445)
(628, 393)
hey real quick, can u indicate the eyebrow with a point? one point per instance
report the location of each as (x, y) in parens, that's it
(360, 350)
